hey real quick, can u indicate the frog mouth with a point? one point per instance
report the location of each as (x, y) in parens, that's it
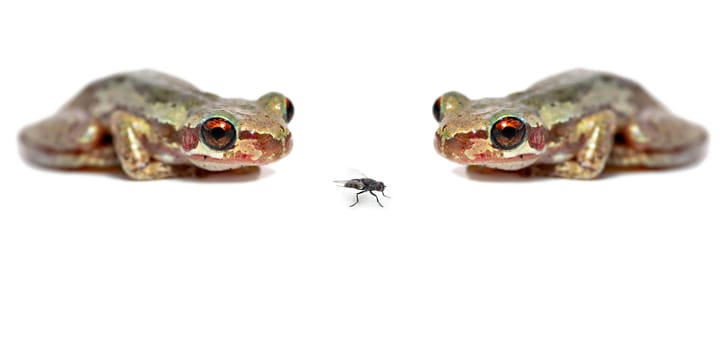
(496, 157)
(235, 157)
(250, 149)
(472, 148)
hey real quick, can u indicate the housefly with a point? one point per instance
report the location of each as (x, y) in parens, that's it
(365, 184)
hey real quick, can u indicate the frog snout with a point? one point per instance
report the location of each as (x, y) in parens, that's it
(266, 146)
(462, 147)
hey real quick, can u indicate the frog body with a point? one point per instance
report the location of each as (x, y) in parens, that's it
(157, 126)
(570, 125)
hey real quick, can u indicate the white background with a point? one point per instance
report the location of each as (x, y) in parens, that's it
(278, 260)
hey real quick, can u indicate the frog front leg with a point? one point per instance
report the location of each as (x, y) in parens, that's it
(131, 134)
(595, 133)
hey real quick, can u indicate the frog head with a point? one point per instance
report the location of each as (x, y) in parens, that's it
(231, 133)
(490, 132)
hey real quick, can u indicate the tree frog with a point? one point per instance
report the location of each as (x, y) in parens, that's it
(157, 126)
(570, 125)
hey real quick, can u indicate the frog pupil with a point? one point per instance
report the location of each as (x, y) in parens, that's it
(217, 133)
(508, 132)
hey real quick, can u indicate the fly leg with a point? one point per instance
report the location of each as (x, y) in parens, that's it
(377, 198)
(357, 201)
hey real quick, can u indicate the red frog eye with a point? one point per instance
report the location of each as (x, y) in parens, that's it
(436, 109)
(508, 133)
(218, 134)
(289, 110)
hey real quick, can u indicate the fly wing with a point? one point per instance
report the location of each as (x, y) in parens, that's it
(354, 183)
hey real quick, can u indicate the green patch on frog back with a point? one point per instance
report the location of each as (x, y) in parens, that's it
(157, 103)
(560, 105)
(117, 93)
(169, 113)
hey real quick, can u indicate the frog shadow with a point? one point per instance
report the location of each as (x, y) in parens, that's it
(241, 175)
(478, 173)
(482, 174)
(113, 171)
(616, 171)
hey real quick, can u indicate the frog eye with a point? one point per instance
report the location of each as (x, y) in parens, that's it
(508, 133)
(436, 109)
(218, 134)
(289, 110)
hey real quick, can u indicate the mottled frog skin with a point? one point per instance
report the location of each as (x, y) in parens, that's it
(157, 126)
(570, 125)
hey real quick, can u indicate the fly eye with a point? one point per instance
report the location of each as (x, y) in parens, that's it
(508, 133)
(289, 111)
(218, 134)
(436, 109)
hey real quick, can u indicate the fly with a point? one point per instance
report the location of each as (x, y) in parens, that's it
(365, 184)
